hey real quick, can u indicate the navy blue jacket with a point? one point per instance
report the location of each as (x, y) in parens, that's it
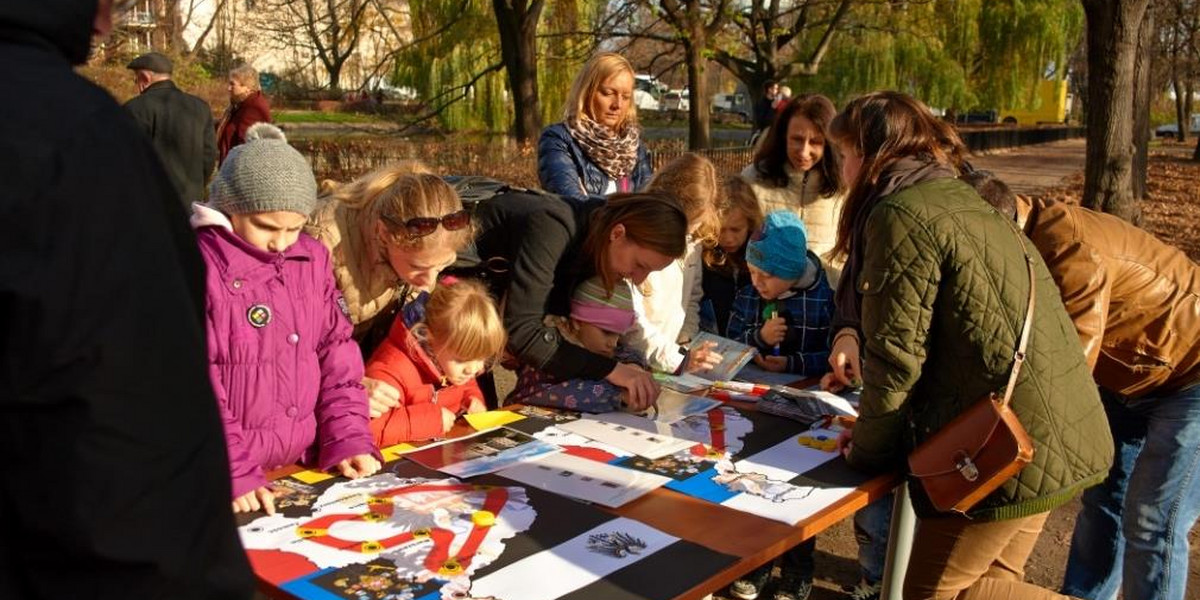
(565, 169)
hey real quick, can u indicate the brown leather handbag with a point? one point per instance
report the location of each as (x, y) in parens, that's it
(982, 448)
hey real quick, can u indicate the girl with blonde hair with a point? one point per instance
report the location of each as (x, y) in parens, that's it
(725, 271)
(667, 304)
(597, 148)
(434, 364)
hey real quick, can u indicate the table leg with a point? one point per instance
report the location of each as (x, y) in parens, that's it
(900, 539)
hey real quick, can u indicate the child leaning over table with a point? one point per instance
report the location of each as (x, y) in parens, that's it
(434, 365)
(597, 321)
(785, 314)
(786, 311)
(284, 369)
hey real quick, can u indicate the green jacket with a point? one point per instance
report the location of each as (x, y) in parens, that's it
(945, 289)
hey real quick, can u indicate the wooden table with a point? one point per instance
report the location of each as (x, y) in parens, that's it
(752, 539)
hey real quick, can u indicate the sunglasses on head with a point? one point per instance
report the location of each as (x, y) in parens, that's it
(422, 226)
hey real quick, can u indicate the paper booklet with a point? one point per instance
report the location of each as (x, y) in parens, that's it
(805, 406)
(734, 356)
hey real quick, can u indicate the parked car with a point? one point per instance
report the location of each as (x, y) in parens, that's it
(1171, 129)
(676, 100)
(737, 104)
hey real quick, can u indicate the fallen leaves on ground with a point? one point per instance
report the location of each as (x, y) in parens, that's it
(1171, 208)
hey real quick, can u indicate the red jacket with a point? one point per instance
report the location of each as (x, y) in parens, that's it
(231, 131)
(402, 362)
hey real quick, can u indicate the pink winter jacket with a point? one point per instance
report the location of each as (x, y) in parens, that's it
(286, 374)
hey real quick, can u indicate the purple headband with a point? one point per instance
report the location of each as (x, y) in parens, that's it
(608, 318)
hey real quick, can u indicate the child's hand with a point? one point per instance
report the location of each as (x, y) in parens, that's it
(640, 389)
(702, 358)
(359, 465)
(775, 364)
(381, 397)
(256, 499)
(447, 420)
(476, 405)
(773, 331)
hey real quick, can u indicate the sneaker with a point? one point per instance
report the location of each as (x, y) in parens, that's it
(792, 587)
(864, 591)
(750, 586)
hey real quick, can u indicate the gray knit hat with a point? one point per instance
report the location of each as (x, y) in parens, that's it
(264, 174)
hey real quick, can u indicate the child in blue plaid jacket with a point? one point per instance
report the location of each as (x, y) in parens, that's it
(786, 311)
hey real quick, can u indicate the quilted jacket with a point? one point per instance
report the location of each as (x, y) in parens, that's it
(287, 384)
(565, 169)
(945, 289)
(1135, 301)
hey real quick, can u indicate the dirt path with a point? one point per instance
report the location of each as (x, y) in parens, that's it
(1032, 169)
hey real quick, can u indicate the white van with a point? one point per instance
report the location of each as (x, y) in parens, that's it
(647, 92)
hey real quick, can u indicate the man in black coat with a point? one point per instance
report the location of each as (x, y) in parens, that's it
(179, 124)
(116, 482)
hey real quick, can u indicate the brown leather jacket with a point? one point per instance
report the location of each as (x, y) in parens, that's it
(1135, 301)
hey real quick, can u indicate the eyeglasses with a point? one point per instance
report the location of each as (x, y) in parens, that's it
(418, 227)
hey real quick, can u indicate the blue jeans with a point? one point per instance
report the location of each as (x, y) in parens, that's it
(871, 527)
(1132, 533)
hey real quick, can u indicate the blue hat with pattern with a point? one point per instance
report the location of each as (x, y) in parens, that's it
(780, 246)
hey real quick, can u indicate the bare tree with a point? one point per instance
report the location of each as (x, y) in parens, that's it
(769, 29)
(328, 29)
(1113, 28)
(692, 25)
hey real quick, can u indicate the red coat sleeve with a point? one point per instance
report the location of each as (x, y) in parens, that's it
(417, 417)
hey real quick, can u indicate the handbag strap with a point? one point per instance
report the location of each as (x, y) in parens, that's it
(1019, 355)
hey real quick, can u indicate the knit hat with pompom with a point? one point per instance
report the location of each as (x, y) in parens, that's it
(264, 174)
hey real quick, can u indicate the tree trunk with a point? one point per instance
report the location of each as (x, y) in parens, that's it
(1181, 116)
(335, 75)
(1143, 66)
(1112, 36)
(518, 48)
(698, 109)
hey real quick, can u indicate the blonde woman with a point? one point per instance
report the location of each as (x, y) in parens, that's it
(390, 233)
(247, 106)
(597, 148)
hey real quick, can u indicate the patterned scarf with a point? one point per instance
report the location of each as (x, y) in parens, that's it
(615, 153)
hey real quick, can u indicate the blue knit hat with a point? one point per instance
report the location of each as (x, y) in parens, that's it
(780, 247)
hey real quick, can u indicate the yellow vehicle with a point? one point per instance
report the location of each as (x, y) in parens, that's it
(1052, 105)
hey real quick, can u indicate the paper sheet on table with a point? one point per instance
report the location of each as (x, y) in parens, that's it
(686, 383)
(394, 452)
(492, 419)
(649, 444)
(588, 480)
(483, 452)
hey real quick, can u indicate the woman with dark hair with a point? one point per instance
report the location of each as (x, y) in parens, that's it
(795, 170)
(936, 291)
(538, 247)
(597, 148)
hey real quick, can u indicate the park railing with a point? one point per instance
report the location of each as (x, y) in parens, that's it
(345, 159)
(1003, 138)
(728, 160)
